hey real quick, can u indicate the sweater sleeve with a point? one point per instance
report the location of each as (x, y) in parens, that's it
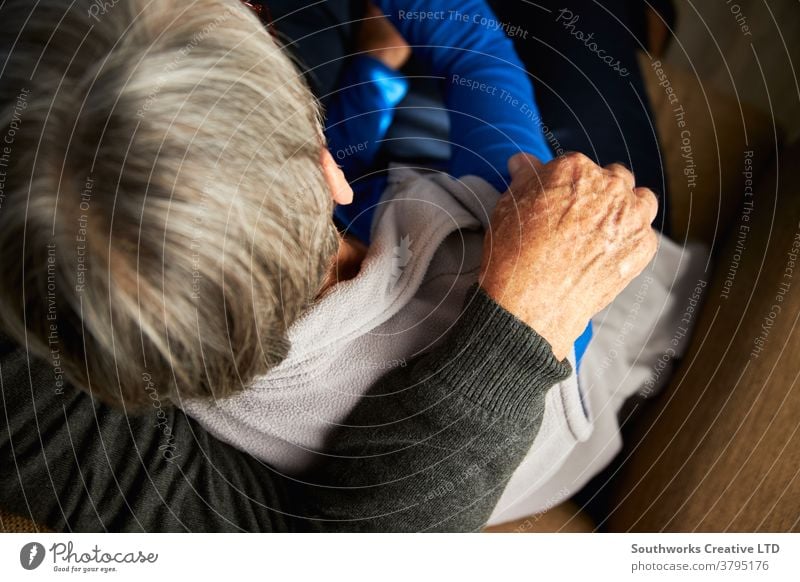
(361, 111)
(488, 95)
(431, 447)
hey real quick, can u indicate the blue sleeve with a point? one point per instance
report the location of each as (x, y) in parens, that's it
(361, 112)
(488, 94)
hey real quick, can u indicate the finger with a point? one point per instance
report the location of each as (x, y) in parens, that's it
(521, 163)
(647, 201)
(622, 172)
(647, 248)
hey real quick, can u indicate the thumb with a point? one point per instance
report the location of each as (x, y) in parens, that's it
(522, 162)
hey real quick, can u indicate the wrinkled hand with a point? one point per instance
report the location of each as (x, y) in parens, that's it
(378, 38)
(565, 239)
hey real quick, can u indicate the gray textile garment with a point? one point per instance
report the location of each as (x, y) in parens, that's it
(399, 462)
(635, 345)
(426, 252)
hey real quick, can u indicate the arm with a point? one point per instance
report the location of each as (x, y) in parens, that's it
(447, 431)
(488, 95)
(362, 110)
(442, 435)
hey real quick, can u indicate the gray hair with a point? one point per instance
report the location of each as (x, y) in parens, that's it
(163, 212)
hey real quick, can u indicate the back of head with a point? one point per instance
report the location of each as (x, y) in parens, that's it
(163, 213)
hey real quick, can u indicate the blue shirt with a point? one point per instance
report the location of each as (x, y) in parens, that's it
(487, 94)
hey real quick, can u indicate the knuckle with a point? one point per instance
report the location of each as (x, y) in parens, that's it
(647, 193)
(617, 184)
(650, 201)
(576, 159)
(620, 169)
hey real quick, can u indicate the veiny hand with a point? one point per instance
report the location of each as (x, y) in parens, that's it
(380, 39)
(565, 239)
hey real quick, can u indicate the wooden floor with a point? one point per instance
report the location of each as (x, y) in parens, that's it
(711, 39)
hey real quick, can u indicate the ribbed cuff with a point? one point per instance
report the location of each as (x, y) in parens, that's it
(498, 361)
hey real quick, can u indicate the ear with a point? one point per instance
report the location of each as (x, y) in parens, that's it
(341, 192)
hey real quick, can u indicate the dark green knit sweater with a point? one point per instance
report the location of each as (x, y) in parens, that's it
(430, 448)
